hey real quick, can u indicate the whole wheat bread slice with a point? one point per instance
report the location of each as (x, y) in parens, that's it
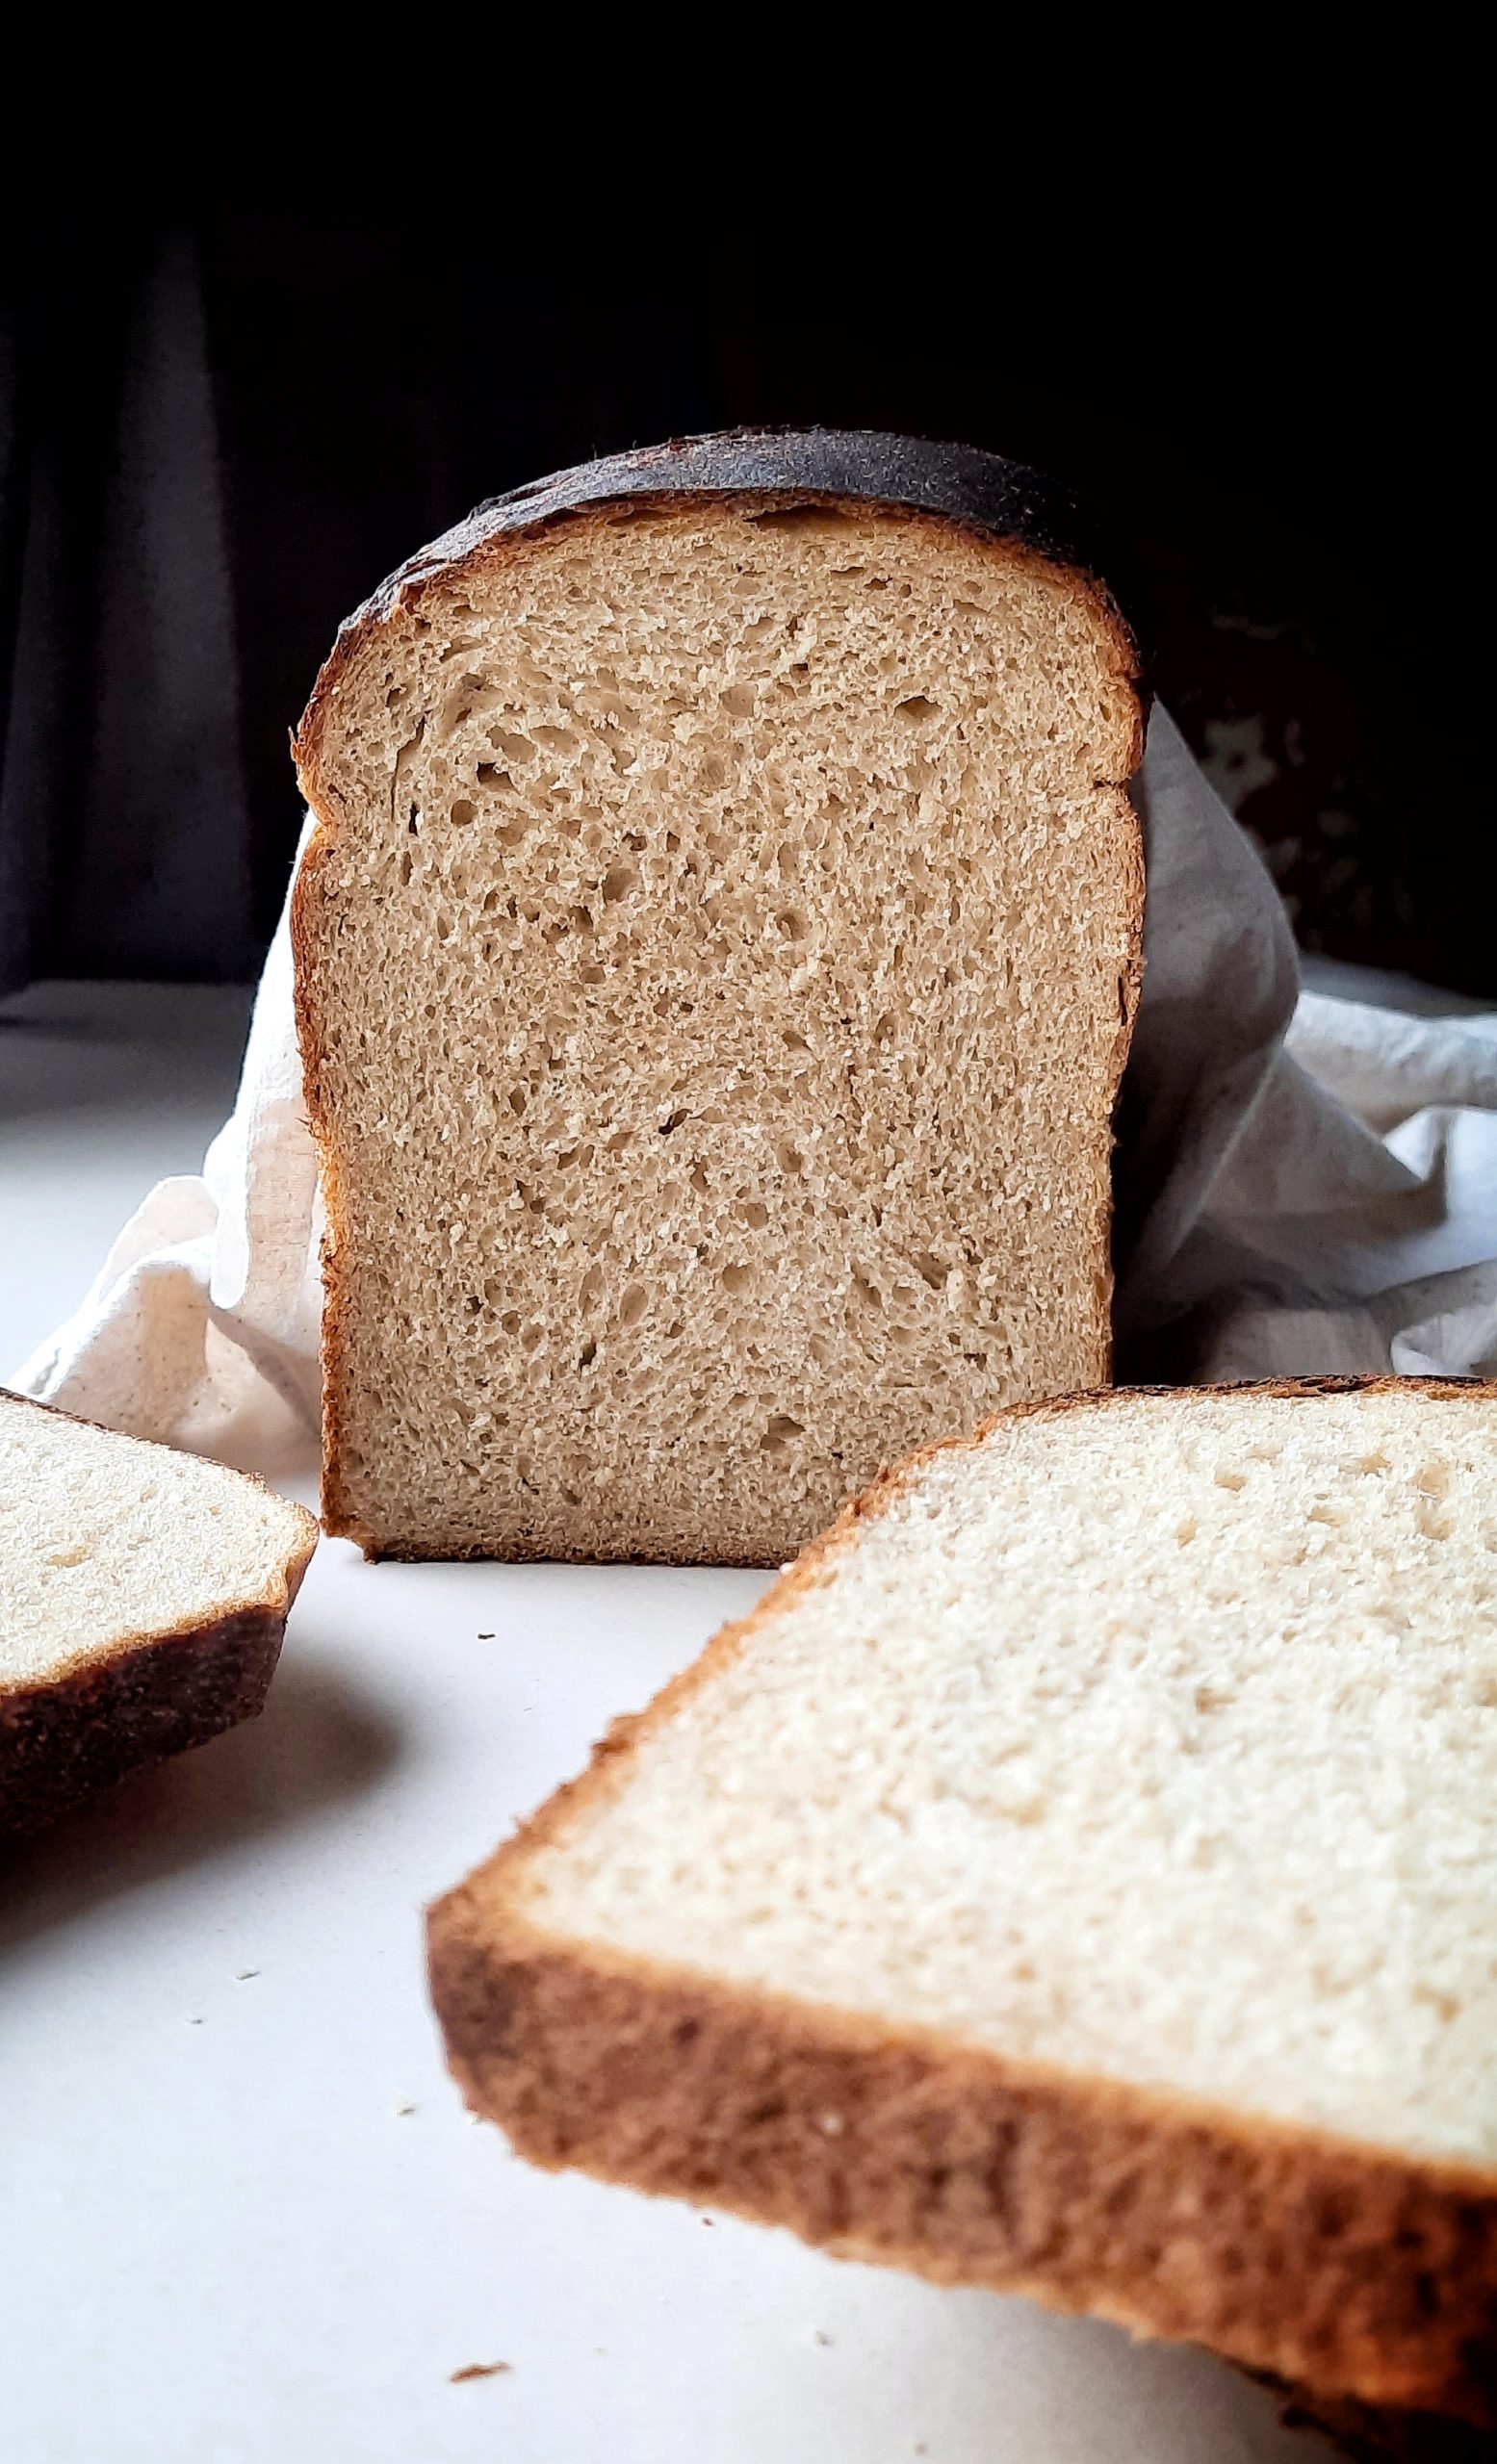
(142, 1599)
(1078, 1877)
(716, 960)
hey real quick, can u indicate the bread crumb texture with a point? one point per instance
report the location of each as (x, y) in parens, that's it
(1153, 1743)
(106, 1541)
(715, 962)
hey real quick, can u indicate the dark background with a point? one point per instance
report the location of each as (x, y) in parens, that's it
(215, 438)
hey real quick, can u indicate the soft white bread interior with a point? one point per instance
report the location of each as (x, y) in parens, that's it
(1080, 1874)
(142, 1598)
(715, 960)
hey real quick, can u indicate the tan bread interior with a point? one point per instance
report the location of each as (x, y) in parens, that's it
(714, 969)
(1154, 1741)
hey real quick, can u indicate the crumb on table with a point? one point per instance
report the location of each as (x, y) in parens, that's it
(479, 2370)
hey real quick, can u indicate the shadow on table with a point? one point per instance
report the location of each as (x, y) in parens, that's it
(317, 1743)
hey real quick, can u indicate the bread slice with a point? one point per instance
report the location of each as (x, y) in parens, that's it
(1078, 1877)
(716, 960)
(142, 1598)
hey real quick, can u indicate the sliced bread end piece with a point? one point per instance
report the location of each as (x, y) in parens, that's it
(1075, 1878)
(143, 1596)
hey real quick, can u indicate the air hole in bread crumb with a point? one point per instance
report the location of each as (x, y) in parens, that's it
(617, 883)
(1433, 1478)
(1214, 1698)
(780, 1432)
(464, 811)
(735, 1278)
(1327, 1514)
(1234, 1481)
(1185, 1532)
(631, 1307)
(917, 710)
(790, 1160)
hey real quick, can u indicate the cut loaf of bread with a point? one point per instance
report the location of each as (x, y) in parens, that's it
(715, 960)
(1078, 1877)
(142, 1598)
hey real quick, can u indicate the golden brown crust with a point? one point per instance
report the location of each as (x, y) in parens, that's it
(998, 504)
(1327, 2262)
(107, 1712)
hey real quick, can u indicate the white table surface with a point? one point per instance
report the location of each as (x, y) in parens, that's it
(244, 2218)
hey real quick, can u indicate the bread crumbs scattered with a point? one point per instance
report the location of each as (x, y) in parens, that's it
(403, 2105)
(821, 2336)
(195, 2023)
(242, 1975)
(486, 1638)
(479, 2370)
(708, 2220)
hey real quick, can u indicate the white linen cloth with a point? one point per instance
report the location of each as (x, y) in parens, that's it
(1305, 1183)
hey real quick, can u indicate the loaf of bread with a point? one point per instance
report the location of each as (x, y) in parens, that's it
(142, 1601)
(716, 960)
(1078, 1877)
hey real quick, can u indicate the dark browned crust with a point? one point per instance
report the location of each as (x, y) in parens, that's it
(1327, 2262)
(770, 469)
(111, 1712)
(1376, 2434)
(778, 468)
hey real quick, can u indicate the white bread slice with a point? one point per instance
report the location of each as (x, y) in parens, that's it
(142, 1599)
(715, 958)
(1078, 1877)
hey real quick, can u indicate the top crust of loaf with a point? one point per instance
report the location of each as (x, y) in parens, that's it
(958, 485)
(1343, 2266)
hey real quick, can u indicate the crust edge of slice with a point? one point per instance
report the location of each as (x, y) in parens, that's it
(118, 1709)
(1346, 2267)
